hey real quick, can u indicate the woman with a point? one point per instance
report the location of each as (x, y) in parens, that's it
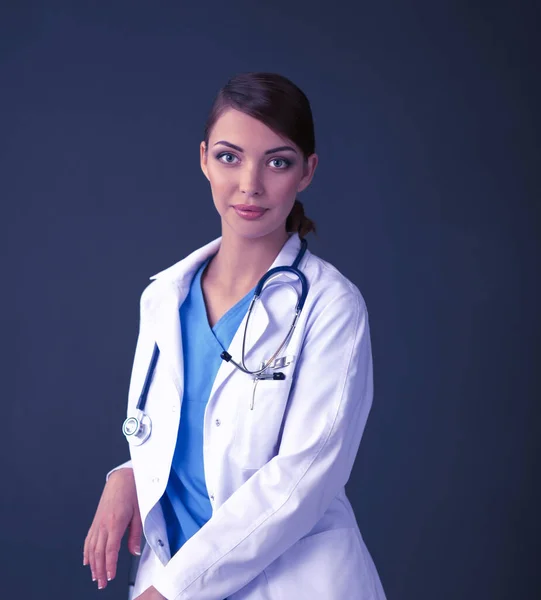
(240, 485)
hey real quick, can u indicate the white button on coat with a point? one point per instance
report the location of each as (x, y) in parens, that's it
(282, 526)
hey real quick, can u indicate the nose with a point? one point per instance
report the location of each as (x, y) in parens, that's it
(250, 182)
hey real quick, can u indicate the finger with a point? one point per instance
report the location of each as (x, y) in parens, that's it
(135, 534)
(111, 553)
(99, 557)
(85, 549)
(88, 545)
(91, 540)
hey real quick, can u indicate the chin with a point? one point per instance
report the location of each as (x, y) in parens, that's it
(254, 230)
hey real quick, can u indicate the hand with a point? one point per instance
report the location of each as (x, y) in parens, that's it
(118, 508)
(151, 593)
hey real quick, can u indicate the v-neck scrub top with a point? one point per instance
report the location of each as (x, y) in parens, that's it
(185, 503)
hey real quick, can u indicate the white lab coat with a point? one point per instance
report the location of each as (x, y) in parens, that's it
(282, 527)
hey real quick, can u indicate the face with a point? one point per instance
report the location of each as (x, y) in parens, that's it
(254, 174)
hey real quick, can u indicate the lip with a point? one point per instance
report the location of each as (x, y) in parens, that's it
(249, 207)
(248, 211)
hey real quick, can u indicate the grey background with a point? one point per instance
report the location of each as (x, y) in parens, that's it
(426, 196)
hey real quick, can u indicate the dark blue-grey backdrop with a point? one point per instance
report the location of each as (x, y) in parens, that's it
(427, 197)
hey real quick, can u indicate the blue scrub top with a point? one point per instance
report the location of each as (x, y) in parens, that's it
(185, 503)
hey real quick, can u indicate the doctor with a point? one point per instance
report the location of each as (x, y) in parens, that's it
(238, 482)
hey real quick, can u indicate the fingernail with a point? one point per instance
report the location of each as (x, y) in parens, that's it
(109, 576)
(137, 550)
(93, 577)
(101, 585)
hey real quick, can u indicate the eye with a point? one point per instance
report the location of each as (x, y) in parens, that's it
(226, 154)
(285, 163)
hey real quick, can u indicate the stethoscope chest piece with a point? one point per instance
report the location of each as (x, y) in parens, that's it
(137, 429)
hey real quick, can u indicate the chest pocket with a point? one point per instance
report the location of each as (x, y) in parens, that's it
(260, 415)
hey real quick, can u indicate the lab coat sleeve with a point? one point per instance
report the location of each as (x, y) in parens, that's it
(126, 465)
(327, 411)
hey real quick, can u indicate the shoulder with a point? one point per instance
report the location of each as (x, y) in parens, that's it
(177, 274)
(149, 293)
(328, 287)
(335, 319)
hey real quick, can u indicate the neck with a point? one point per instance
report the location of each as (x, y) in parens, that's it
(241, 262)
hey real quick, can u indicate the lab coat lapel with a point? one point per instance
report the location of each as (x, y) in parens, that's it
(259, 321)
(173, 285)
(167, 332)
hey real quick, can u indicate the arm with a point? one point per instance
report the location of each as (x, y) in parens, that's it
(117, 510)
(126, 465)
(327, 410)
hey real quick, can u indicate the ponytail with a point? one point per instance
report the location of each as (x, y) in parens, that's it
(298, 222)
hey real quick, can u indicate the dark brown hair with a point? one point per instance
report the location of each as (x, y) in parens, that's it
(283, 107)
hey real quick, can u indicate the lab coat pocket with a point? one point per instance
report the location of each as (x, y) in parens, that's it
(260, 421)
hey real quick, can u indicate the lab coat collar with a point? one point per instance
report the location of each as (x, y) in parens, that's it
(186, 268)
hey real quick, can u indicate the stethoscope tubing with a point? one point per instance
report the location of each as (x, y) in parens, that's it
(139, 435)
(148, 378)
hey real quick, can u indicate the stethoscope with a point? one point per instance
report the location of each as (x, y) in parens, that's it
(137, 429)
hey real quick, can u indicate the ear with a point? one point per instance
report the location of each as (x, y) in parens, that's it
(309, 170)
(203, 158)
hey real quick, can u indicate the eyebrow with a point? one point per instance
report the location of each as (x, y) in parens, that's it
(271, 151)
